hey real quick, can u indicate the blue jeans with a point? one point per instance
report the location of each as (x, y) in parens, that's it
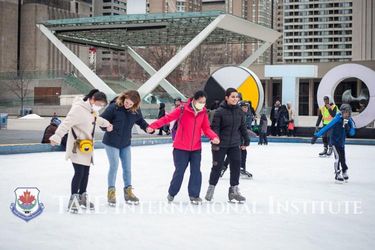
(114, 154)
(181, 160)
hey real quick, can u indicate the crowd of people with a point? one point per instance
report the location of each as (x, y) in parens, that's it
(229, 125)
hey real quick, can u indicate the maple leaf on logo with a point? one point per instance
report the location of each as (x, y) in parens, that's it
(27, 198)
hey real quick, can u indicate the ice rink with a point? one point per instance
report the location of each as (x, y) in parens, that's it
(292, 203)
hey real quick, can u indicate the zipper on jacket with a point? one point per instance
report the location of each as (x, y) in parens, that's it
(195, 121)
(231, 133)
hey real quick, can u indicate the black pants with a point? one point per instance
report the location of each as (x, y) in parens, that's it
(326, 139)
(243, 160)
(291, 133)
(274, 129)
(218, 155)
(80, 178)
(339, 153)
(263, 138)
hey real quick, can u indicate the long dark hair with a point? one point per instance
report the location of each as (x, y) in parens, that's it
(96, 95)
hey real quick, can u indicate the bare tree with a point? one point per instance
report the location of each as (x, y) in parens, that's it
(18, 84)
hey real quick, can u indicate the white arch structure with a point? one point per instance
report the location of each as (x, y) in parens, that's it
(339, 73)
(223, 21)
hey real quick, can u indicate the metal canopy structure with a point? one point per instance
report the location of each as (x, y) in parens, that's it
(118, 32)
(123, 32)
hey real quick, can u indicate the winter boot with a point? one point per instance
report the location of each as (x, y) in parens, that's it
(234, 194)
(324, 153)
(338, 177)
(210, 193)
(111, 196)
(129, 196)
(73, 205)
(195, 200)
(85, 203)
(329, 152)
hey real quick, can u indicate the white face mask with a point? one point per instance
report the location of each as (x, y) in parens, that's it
(96, 108)
(199, 106)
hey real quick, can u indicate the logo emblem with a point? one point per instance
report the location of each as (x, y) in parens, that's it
(27, 205)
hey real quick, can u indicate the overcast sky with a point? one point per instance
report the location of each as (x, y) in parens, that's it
(136, 7)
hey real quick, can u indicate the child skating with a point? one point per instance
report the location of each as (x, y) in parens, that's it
(340, 126)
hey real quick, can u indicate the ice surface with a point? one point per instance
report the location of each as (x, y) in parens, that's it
(284, 175)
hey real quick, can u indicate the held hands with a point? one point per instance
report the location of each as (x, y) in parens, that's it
(110, 128)
(150, 130)
(53, 143)
(215, 141)
(243, 147)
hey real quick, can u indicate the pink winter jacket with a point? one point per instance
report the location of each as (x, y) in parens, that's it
(190, 127)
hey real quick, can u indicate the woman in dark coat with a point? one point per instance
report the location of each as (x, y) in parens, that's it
(161, 114)
(229, 124)
(282, 122)
(123, 113)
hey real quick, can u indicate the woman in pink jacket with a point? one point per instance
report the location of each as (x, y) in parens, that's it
(192, 119)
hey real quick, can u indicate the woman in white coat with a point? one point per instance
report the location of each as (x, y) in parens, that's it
(80, 124)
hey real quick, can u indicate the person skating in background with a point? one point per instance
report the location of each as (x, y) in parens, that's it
(211, 111)
(340, 126)
(263, 124)
(229, 123)
(177, 104)
(161, 114)
(80, 123)
(193, 119)
(123, 112)
(326, 114)
(291, 124)
(274, 116)
(51, 129)
(282, 122)
(245, 108)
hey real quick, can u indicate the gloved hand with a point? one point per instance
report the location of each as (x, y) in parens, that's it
(345, 124)
(313, 140)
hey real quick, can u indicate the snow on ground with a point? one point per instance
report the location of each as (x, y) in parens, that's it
(293, 203)
(31, 117)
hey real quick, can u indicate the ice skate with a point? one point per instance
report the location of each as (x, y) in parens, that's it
(210, 193)
(338, 178)
(329, 152)
(234, 195)
(73, 205)
(345, 176)
(246, 174)
(324, 153)
(85, 203)
(111, 196)
(129, 196)
(195, 200)
(170, 198)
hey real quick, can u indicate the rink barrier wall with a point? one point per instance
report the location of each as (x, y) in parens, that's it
(40, 148)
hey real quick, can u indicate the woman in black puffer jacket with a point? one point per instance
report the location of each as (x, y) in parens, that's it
(229, 123)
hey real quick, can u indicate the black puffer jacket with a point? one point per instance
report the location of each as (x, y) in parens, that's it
(122, 121)
(229, 124)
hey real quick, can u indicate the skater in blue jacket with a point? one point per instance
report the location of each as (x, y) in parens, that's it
(340, 126)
